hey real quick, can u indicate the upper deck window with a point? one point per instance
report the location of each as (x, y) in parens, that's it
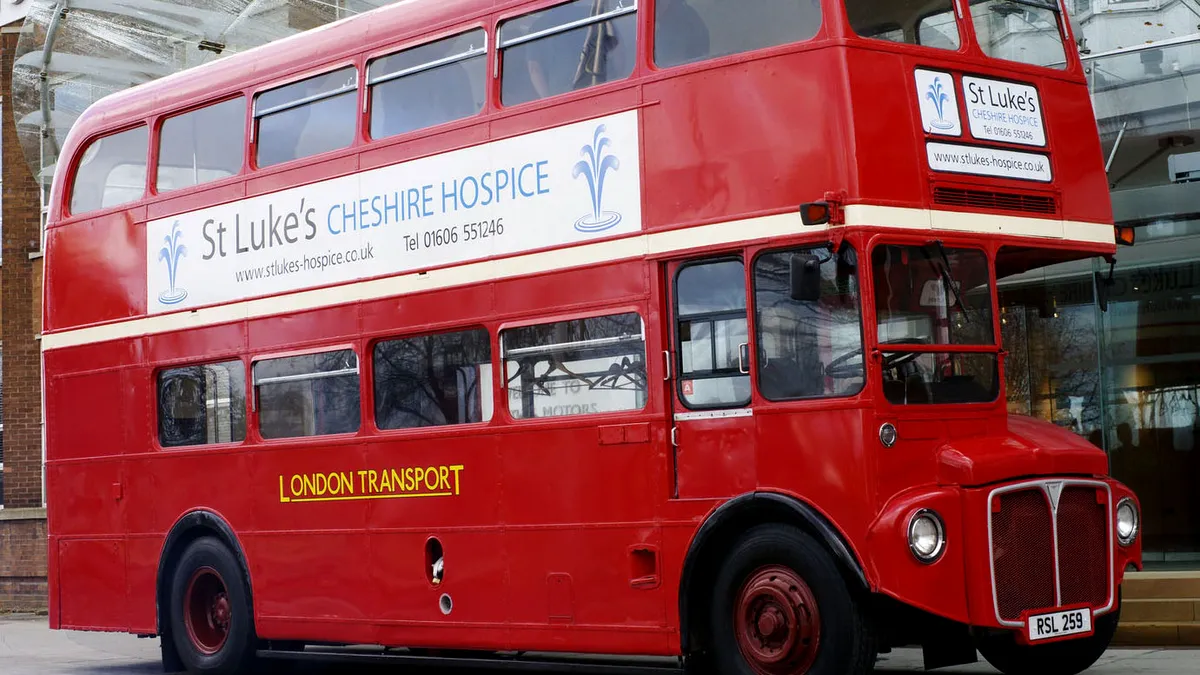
(915, 22)
(203, 145)
(428, 85)
(1027, 31)
(307, 117)
(693, 30)
(112, 171)
(567, 47)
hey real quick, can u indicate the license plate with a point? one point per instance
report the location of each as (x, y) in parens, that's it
(1063, 623)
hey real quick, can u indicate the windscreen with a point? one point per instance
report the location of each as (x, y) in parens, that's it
(934, 295)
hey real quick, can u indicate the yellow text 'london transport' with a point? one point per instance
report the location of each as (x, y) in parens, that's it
(340, 486)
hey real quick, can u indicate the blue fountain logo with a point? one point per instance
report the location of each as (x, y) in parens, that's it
(595, 166)
(171, 254)
(939, 98)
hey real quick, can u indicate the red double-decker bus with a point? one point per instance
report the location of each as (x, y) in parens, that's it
(625, 327)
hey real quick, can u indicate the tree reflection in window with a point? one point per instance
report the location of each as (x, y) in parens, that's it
(585, 366)
(433, 380)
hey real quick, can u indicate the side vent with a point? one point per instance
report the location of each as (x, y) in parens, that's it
(1000, 201)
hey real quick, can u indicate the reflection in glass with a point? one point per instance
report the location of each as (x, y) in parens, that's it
(579, 367)
(547, 53)
(310, 395)
(200, 405)
(433, 380)
(808, 348)
(931, 24)
(713, 336)
(428, 85)
(1027, 31)
(686, 31)
(112, 171)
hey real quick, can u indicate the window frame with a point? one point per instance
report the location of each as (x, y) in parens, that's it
(677, 342)
(496, 97)
(155, 382)
(493, 342)
(255, 116)
(498, 355)
(156, 142)
(255, 410)
(875, 371)
(756, 335)
(77, 162)
(368, 84)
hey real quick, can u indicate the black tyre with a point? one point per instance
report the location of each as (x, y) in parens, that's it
(212, 625)
(781, 607)
(1059, 658)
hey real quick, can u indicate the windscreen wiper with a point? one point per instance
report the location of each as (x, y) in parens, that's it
(944, 272)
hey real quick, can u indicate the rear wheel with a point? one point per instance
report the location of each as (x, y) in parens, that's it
(211, 622)
(781, 607)
(1059, 658)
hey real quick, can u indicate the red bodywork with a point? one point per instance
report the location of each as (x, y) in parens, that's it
(569, 534)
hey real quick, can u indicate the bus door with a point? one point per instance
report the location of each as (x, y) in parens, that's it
(712, 425)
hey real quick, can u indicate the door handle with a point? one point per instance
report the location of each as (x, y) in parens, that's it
(744, 358)
(675, 437)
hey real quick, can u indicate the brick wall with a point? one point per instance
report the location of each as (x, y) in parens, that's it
(22, 560)
(21, 360)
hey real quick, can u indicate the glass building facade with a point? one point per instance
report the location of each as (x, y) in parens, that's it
(1128, 379)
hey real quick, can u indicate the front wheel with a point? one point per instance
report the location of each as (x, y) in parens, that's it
(781, 607)
(1059, 658)
(211, 621)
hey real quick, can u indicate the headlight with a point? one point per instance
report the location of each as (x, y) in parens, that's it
(926, 536)
(1127, 522)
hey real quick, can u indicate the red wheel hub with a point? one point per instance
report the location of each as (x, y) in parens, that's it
(777, 623)
(207, 611)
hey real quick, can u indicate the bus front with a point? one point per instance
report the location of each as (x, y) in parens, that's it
(987, 176)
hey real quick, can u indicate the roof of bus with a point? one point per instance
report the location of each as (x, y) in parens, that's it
(399, 21)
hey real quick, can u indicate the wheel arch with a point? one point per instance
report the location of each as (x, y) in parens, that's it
(731, 519)
(192, 526)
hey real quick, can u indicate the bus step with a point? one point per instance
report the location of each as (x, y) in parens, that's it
(581, 664)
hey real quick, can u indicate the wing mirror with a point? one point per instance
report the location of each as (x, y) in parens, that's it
(805, 277)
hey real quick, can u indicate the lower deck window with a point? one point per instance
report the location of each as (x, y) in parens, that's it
(433, 380)
(579, 367)
(309, 395)
(202, 405)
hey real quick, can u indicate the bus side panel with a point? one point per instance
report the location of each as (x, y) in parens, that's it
(102, 259)
(584, 546)
(721, 143)
(93, 584)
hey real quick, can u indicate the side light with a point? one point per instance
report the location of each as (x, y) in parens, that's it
(1126, 235)
(815, 213)
(1127, 522)
(926, 536)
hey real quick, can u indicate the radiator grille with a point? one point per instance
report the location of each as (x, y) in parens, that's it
(1023, 553)
(999, 201)
(1083, 547)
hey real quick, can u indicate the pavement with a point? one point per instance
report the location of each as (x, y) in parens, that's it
(29, 647)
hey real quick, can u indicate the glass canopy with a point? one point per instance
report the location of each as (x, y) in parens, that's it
(72, 53)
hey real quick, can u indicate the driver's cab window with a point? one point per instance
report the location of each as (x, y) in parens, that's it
(930, 23)
(934, 295)
(809, 323)
(713, 338)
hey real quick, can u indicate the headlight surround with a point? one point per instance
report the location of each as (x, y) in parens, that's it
(1127, 522)
(926, 536)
